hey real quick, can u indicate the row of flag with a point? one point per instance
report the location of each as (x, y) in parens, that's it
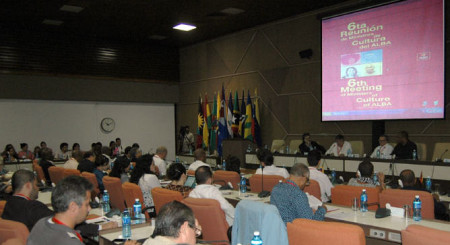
(227, 120)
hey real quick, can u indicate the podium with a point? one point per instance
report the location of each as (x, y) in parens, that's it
(237, 148)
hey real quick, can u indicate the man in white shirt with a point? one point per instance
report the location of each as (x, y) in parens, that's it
(205, 189)
(265, 157)
(63, 152)
(314, 174)
(73, 162)
(384, 148)
(160, 160)
(340, 148)
(200, 159)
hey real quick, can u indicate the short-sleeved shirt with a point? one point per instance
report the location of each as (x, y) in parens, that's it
(47, 232)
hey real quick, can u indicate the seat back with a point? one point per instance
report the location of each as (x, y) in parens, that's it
(357, 147)
(2, 207)
(131, 191)
(56, 174)
(398, 198)
(14, 241)
(439, 149)
(40, 173)
(190, 172)
(223, 177)
(211, 217)
(68, 172)
(422, 151)
(304, 231)
(269, 182)
(114, 188)
(420, 235)
(313, 189)
(11, 229)
(277, 145)
(294, 145)
(91, 178)
(343, 195)
(162, 196)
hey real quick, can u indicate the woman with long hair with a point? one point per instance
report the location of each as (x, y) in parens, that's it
(120, 169)
(177, 174)
(144, 176)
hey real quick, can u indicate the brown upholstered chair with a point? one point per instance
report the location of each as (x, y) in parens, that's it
(313, 189)
(56, 174)
(343, 195)
(68, 172)
(131, 192)
(91, 178)
(398, 198)
(222, 177)
(420, 235)
(2, 207)
(162, 196)
(114, 188)
(13, 230)
(269, 181)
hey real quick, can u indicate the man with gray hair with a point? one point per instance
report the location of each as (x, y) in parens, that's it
(160, 160)
(200, 159)
(291, 201)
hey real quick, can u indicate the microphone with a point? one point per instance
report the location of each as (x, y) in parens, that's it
(263, 193)
(442, 155)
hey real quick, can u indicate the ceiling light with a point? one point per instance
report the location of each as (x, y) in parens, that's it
(52, 22)
(184, 27)
(71, 8)
(157, 37)
(232, 11)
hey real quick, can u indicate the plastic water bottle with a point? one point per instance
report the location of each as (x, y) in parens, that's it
(105, 198)
(137, 209)
(256, 239)
(190, 151)
(428, 184)
(378, 154)
(177, 159)
(333, 175)
(224, 165)
(243, 184)
(363, 201)
(287, 149)
(349, 153)
(375, 178)
(414, 155)
(126, 224)
(417, 209)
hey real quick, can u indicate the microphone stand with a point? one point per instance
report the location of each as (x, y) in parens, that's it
(392, 170)
(442, 155)
(263, 193)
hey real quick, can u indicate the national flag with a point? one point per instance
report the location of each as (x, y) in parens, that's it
(206, 124)
(421, 178)
(213, 133)
(242, 118)
(200, 124)
(223, 131)
(236, 115)
(256, 129)
(248, 119)
(230, 118)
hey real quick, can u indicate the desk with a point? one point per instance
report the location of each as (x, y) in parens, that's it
(387, 229)
(213, 161)
(234, 196)
(138, 232)
(27, 164)
(45, 197)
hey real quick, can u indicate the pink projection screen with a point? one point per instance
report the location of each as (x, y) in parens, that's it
(384, 63)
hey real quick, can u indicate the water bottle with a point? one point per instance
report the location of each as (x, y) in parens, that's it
(375, 178)
(428, 184)
(243, 184)
(177, 159)
(363, 204)
(417, 208)
(224, 165)
(414, 155)
(106, 207)
(349, 153)
(256, 239)
(249, 149)
(266, 147)
(137, 209)
(126, 224)
(287, 149)
(333, 176)
(378, 154)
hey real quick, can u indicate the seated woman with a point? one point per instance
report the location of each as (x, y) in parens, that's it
(233, 164)
(144, 176)
(120, 169)
(10, 154)
(364, 176)
(177, 174)
(99, 172)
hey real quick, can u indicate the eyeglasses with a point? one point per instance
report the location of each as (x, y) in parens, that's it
(307, 180)
(197, 230)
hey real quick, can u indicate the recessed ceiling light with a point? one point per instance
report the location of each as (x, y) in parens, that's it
(71, 8)
(184, 27)
(232, 11)
(52, 22)
(157, 37)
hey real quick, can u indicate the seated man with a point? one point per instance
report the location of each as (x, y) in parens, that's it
(408, 180)
(72, 163)
(404, 148)
(63, 152)
(314, 174)
(46, 162)
(384, 149)
(340, 148)
(205, 189)
(160, 160)
(88, 163)
(200, 159)
(364, 176)
(175, 224)
(291, 201)
(266, 158)
(25, 153)
(308, 145)
(23, 207)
